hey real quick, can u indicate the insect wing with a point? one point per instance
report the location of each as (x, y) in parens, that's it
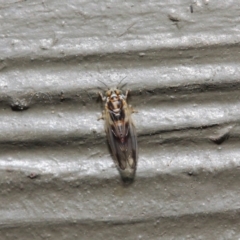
(122, 139)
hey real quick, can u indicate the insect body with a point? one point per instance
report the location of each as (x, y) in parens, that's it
(121, 132)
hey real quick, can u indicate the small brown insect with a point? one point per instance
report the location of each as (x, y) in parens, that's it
(121, 132)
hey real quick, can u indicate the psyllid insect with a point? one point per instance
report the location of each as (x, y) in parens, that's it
(121, 132)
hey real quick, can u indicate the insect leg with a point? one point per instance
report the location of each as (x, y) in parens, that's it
(102, 117)
(126, 94)
(132, 110)
(102, 97)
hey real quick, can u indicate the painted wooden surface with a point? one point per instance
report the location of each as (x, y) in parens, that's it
(181, 63)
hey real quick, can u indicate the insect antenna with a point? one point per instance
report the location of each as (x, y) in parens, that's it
(121, 87)
(102, 89)
(104, 83)
(118, 86)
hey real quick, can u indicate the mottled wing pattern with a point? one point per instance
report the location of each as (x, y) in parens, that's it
(122, 138)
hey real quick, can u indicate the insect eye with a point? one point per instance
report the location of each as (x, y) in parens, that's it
(117, 91)
(108, 93)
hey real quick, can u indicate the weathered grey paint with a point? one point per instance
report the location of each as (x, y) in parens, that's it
(181, 62)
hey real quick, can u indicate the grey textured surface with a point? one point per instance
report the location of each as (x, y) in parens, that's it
(181, 62)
